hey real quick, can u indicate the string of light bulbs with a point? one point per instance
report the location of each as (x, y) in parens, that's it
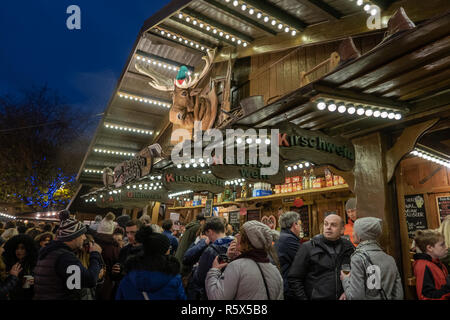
(418, 152)
(267, 18)
(143, 99)
(358, 109)
(181, 39)
(115, 152)
(127, 129)
(215, 31)
(299, 166)
(176, 194)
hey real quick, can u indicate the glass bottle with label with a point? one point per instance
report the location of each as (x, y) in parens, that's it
(312, 178)
(305, 180)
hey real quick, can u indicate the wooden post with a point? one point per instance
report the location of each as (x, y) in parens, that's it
(155, 212)
(134, 213)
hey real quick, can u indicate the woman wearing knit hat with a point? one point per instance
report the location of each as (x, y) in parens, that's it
(152, 274)
(374, 274)
(251, 275)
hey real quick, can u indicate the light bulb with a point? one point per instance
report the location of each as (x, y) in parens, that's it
(243, 7)
(293, 32)
(367, 7)
(266, 19)
(332, 107)
(398, 116)
(351, 109)
(274, 22)
(360, 111)
(369, 112)
(235, 3)
(376, 113)
(342, 108)
(384, 114)
(259, 15)
(251, 11)
(321, 105)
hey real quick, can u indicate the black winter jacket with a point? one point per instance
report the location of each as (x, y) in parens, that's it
(7, 285)
(287, 247)
(315, 272)
(51, 272)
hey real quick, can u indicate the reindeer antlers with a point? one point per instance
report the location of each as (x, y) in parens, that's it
(163, 83)
(158, 81)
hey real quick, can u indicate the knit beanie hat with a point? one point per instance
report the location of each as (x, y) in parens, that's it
(259, 234)
(122, 220)
(350, 204)
(368, 228)
(69, 228)
(106, 226)
(154, 243)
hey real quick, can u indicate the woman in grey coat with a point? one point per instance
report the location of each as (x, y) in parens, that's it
(374, 274)
(250, 275)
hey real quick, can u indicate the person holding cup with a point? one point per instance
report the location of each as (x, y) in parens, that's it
(21, 249)
(373, 274)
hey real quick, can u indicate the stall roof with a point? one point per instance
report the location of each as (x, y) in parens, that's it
(313, 21)
(409, 72)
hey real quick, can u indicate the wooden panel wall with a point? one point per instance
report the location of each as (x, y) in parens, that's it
(409, 175)
(285, 75)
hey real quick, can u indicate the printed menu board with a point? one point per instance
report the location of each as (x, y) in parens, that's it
(443, 206)
(234, 220)
(416, 218)
(253, 214)
(304, 217)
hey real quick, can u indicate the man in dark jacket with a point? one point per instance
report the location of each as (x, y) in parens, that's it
(289, 243)
(218, 244)
(186, 240)
(133, 247)
(167, 226)
(315, 272)
(59, 274)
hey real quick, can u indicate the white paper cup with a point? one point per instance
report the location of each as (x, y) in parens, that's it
(27, 285)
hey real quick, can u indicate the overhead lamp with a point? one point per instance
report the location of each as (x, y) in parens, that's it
(331, 106)
(351, 109)
(342, 108)
(144, 100)
(360, 110)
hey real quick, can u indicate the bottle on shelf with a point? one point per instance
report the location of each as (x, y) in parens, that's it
(305, 180)
(312, 178)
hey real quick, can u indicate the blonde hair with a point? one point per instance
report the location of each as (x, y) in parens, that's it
(424, 238)
(110, 216)
(444, 229)
(9, 233)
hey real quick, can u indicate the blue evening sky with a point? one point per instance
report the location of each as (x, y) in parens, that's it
(36, 48)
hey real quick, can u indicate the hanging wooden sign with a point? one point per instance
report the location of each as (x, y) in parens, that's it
(300, 144)
(131, 197)
(131, 170)
(195, 180)
(251, 173)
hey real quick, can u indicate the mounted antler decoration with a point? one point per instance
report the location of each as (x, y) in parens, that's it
(189, 104)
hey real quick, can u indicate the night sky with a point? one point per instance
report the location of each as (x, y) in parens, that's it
(36, 48)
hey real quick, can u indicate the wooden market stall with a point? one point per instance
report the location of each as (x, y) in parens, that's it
(345, 98)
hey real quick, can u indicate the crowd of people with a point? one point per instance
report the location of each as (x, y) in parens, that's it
(125, 259)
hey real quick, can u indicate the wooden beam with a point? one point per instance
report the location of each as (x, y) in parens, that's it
(216, 24)
(278, 13)
(353, 25)
(383, 4)
(322, 7)
(241, 17)
(404, 144)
